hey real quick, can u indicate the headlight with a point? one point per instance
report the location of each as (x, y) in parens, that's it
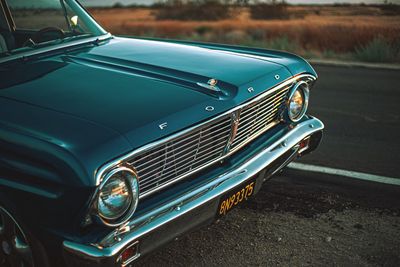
(298, 101)
(118, 196)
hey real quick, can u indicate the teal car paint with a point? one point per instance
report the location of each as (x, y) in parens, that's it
(80, 107)
(86, 73)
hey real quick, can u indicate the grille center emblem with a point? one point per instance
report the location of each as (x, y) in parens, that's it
(235, 126)
(234, 129)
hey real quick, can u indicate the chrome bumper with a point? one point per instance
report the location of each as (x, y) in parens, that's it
(204, 198)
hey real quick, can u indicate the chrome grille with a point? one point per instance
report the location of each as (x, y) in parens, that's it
(167, 161)
(179, 157)
(259, 116)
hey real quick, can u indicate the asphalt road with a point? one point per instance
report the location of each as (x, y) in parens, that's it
(302, 218)
(361, 111)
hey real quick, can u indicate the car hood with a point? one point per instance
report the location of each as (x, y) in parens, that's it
(132, 86)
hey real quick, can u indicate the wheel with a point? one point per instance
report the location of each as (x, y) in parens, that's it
(18, 248)
(15, 250)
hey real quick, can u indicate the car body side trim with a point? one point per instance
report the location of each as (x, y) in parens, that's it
(117, 240)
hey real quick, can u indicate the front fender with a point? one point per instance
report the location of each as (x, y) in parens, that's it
(48, 162)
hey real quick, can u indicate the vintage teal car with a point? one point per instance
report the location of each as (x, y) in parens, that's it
(111, 147)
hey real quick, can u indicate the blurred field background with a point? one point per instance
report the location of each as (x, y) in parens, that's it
(360, 32)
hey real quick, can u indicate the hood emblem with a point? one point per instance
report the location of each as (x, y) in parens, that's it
(277, 77)
(211, 85)
(213, 82)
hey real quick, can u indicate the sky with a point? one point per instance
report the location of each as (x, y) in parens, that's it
(149, 2)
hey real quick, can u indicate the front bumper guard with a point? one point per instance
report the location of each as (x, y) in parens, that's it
(107, 252)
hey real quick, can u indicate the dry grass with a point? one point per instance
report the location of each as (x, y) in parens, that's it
(311, 30)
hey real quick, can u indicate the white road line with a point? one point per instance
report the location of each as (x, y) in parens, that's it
(350, 174)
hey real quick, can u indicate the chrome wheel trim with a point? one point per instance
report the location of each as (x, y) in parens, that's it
(15, 250)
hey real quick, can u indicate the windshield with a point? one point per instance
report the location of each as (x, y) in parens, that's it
(29, 25)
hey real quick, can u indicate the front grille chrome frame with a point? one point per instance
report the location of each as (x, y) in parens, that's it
(235, 140)
(178, 158)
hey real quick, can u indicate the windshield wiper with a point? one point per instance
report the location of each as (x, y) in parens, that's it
(76, 36)
(34, 45)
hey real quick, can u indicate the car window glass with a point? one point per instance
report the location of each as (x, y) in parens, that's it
(47, 23)
(38, 14)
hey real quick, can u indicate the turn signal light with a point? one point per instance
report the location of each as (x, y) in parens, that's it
(304, 144)
(129, 254)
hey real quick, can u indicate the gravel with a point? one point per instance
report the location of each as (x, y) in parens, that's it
(289, 224)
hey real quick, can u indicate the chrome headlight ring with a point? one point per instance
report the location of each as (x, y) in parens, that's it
(130, 186)
(300, 88)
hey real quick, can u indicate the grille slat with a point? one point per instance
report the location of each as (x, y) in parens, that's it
(174, 157)
(206, 129)
(260, 119)
(188, 137)
(170, 174)
(179, 157)
(266, 114)
(266, 100)
(170, 161)
(263, 110)
(245, 134)
(144, 166)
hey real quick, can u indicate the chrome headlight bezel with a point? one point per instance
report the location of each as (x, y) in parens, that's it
(304, 90)
(131, 180)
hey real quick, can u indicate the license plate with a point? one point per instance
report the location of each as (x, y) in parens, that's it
(236, 196)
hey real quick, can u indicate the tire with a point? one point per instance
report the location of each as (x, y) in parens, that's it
(18, 247)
